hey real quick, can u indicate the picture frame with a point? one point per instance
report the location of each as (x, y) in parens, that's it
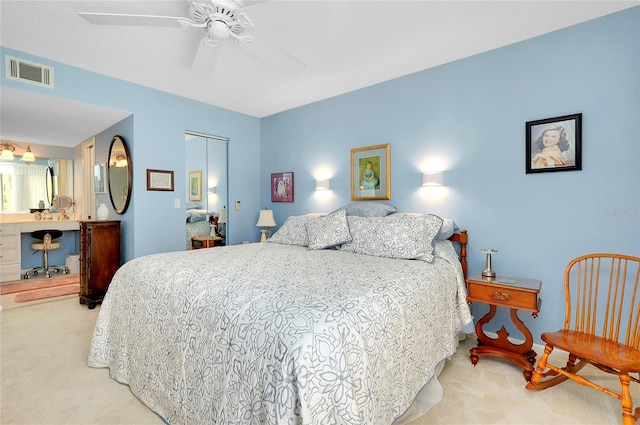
(160, 180)
(371, 173)
(563, 149)
(99, 178)
(282, 187)
(195, 185)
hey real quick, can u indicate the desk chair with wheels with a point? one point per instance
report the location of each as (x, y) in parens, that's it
(45, 244)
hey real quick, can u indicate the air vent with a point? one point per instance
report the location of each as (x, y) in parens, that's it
(28, 72)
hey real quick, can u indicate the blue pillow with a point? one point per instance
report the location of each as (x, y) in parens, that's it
(367, 209)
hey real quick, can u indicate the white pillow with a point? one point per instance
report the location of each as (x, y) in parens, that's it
(328, 231)
(294, 230)
(408, 237)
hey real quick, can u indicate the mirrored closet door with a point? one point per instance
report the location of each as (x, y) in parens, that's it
(207, 188)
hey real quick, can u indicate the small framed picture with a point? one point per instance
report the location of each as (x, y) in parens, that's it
(160, 180)
(195, 185)
(282, 187)
(371, 173)
(554, 144)
(99, 185)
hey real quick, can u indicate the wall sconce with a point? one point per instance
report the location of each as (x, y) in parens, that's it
(323, 184)
(212, 189)
(265, 220)
(8, 149)
(433, 178)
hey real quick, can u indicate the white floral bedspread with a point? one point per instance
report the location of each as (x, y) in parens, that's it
(278, 334)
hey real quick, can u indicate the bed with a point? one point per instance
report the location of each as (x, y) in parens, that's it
(305, 331)
(197, 223)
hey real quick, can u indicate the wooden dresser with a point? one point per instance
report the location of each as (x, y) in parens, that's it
(99, 258)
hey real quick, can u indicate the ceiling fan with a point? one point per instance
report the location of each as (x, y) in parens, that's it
(222, 21)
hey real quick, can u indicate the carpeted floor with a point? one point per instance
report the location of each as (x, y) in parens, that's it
(38, 289)
(45, 380)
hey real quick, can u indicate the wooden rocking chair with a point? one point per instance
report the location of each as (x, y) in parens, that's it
(601, 327)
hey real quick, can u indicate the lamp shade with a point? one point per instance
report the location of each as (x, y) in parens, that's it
(6, 154)
(212, 189)
(434, 178)
(266, 219)
(322, 184)
(28, 155)
(223, 216)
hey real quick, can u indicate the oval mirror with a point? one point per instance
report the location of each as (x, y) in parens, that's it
(119, 174)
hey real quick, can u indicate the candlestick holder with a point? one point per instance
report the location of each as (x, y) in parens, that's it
(488, 271)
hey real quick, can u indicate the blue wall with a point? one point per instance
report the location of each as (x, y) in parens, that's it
(155, 135)
(469, 117)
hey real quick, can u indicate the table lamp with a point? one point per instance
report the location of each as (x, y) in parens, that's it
(265, 220)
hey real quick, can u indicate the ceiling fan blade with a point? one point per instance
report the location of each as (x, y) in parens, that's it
(273, 55)
(206, 58)
(128, 19)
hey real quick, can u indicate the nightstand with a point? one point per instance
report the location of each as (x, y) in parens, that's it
(515, 293)
(200, 242)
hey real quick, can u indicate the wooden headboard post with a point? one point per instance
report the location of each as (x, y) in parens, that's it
(462, 238)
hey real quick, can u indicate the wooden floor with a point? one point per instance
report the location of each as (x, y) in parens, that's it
(39, 289)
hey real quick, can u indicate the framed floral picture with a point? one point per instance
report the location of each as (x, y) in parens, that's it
(554, 144)
(195, 185)
(282, 187)
(160, 180)
(371, 173)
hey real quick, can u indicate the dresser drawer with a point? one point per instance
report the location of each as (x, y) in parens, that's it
(502, 296)
(8, 230)
(10, 272)
(9, 249)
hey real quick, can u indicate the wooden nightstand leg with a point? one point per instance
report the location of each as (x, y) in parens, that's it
(482, 337)
(519, 354)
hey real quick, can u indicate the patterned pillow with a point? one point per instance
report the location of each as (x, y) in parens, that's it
(328, 231)
(368, 209)
(404, 236)
(294, 230)
(448, 228)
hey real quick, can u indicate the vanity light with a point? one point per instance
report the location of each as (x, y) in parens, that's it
(323, 184)
(8, 149)
(28, 155)
(433, 178)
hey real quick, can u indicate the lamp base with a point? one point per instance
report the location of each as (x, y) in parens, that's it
(263, 238)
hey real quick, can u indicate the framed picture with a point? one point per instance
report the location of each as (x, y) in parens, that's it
(99, 185)
(554, 144)
(160, 180)
(371, 173)
(195, 185)
(282, 187)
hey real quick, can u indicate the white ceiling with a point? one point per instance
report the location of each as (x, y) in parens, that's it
(346, 45)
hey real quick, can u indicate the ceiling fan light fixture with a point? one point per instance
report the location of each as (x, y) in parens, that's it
(218, 30)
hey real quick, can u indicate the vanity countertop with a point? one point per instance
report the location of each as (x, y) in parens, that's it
(28, 220)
